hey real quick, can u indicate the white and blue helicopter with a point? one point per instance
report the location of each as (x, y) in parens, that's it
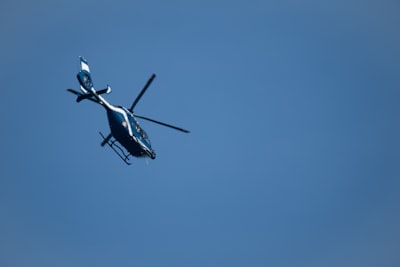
(125, 129)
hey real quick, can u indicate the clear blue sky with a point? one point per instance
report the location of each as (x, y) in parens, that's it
(293, 157)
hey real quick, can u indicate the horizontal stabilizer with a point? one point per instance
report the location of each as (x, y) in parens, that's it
(90, 95)
(82, 96)
(104, 91)
(74, 91)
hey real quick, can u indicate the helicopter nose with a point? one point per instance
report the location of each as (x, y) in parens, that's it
(153, 155)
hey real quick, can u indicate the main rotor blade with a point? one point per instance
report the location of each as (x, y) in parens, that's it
(162, 123)
(142, 92)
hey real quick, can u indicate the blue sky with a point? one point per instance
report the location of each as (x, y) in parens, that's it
(293, 156)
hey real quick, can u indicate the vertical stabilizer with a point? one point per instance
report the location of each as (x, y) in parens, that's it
(84, 77)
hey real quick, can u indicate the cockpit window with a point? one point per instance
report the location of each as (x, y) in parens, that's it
(137, 128)
(142, 132)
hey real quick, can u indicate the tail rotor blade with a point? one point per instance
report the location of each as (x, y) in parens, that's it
(162, 123)
(142, 92)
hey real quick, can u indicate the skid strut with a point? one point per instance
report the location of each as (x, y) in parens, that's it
(117, 149)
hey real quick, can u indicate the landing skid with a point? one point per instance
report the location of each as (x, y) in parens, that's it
(117, 149)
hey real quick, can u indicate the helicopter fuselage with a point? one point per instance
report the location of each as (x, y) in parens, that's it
(128, 133)
(123, 126)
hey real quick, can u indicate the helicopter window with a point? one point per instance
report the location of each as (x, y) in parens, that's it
(135, 125)
(142, 133)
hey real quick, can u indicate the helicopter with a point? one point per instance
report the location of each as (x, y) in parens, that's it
(125, 129)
